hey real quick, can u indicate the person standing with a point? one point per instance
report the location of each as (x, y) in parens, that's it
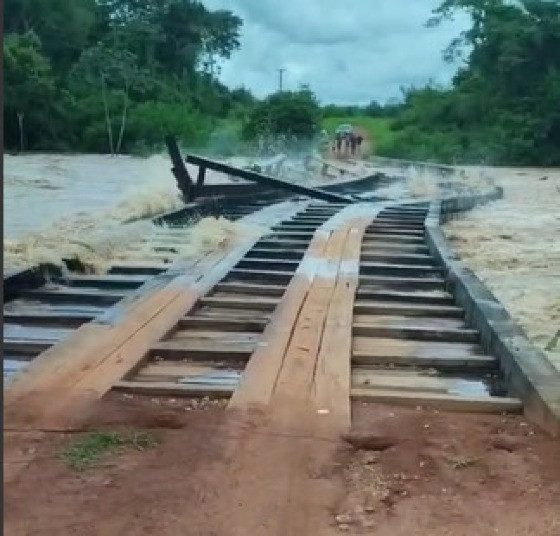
(338, 142)
(353, 143)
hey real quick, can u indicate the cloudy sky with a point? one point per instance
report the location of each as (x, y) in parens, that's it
(348, 51)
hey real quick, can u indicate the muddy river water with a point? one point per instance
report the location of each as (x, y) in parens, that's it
(57, 205)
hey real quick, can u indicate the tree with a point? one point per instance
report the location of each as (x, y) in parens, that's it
(112, 68)
(288, 113)
(503, 106)
(28, 90)
(62, 26)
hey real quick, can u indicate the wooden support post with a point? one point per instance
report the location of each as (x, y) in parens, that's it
(200, 180)
(181, 173)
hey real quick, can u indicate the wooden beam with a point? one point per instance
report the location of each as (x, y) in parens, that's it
(210, 390)
(179, 169)
(331, 392)
(266, 180)
(58, 388)
(200, 180)
(466, 404)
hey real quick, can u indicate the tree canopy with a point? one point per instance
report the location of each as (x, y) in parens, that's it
(504, 106)
(118, 75)
(92, 74)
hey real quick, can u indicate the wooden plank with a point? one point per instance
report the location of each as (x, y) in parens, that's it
(382, 268)
(408, 352)
(266, 180)
(395, 282)
(262, 276)
(224, 323)
(386, 246)
(261, 373)
(241, 302)
(415, 322)
(44, 333)
(26, 347)
(410, 380)
(400, 258)
(400, 231)
(484, 404)
(280, 265)
(202, 350)
(292, 235)
(399, 331)
(298, 227)
(59, 386)
(379, 236)
(413, 223)
(296, 376)
(363, 307)
(331, 392)
(32, 315)
(267, 253)
(177, 369)
(250, 288)
(271, 243)
(74, 295)
(138, 268)
(187, 336)
(435, 297)
(211, 312)
(104, 281)
(174, 389)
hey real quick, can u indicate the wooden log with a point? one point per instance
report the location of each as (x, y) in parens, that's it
(179, 169)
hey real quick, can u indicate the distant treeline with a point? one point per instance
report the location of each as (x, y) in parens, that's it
(117, 75)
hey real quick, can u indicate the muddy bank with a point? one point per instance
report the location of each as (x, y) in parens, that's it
(442, 475)
(513, 245)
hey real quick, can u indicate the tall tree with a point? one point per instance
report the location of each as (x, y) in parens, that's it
(28, 89)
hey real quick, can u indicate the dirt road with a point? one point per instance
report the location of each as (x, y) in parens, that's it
(445, 475)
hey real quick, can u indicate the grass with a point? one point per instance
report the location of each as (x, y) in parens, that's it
(378, 128)
(86, 452)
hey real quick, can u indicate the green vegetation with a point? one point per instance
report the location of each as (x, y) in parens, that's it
(289, 113)
(503, 107)
(86, 452)
(118, 75)
(115, 75)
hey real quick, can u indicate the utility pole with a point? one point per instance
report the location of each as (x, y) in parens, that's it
(280, 74)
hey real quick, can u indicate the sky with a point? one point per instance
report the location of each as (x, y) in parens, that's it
(347, 51)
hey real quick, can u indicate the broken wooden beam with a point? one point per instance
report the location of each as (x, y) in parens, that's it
(179, 169)
(267, 180)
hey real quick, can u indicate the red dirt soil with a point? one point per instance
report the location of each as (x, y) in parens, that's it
(445, 474)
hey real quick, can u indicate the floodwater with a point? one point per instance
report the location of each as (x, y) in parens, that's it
(513, 245)
(77, 206)
(61, 205)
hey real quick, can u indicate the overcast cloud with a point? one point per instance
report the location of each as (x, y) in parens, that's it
(347, 51)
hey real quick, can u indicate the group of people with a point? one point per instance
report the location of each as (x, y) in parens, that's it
(349, 141)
